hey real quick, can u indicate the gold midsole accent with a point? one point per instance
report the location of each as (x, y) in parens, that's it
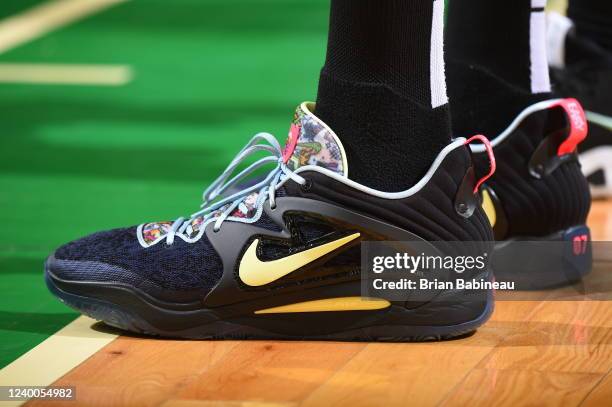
(330, 305)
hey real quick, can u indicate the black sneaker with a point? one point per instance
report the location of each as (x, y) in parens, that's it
(281, 258)
(582, 69)
(538, 193)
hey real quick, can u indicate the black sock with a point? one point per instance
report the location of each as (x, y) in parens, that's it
(378, 90)
(496, 62)
(593, 19)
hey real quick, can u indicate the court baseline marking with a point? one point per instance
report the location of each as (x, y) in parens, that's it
(62, 74)
(40, 20)
(56, 356)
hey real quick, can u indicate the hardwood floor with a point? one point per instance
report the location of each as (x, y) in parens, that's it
(545, 351)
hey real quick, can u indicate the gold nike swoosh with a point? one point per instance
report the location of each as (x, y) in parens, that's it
(255, 273)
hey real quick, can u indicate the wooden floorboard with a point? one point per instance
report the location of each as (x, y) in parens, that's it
(140, 371)
(601, 394)
(545, 351)
(272, 371)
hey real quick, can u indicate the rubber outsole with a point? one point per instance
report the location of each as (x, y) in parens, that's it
(118, 317)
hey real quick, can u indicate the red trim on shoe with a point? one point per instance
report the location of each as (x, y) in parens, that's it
(491, 155)
(578, 125)
(292, 139)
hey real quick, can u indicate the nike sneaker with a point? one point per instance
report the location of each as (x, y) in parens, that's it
(281, 257)
(538, 200)
(582, 69)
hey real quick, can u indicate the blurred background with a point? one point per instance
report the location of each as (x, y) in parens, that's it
(118, 112)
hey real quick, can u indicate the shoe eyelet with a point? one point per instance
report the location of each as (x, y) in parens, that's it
(307, 186)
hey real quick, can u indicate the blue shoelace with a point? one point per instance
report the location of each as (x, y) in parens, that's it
(215, 195)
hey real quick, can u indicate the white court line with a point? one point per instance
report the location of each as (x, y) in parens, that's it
(46, 17)
(72, 74)
(56, 356)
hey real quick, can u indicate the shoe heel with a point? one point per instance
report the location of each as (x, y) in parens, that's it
(560, 259)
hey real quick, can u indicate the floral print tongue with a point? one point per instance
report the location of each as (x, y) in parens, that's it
(311, 142)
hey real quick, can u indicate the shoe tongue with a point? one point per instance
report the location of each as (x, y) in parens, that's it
(312, 142)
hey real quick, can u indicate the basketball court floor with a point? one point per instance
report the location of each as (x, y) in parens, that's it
(117, 112)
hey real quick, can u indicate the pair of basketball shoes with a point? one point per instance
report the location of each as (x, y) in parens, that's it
(281, 256)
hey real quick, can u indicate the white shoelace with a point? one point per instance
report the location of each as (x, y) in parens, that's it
(214, 197)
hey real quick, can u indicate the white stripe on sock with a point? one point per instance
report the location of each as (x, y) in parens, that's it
(557, 27)
(540, 79)
(436, 58)
(538, 3)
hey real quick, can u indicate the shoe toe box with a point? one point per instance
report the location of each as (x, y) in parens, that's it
(100, 257)
(117, 257)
